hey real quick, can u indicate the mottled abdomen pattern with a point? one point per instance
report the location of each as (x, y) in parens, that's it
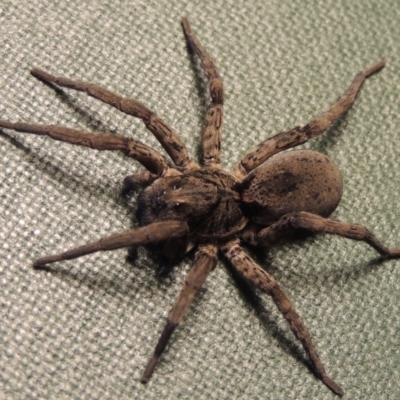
(297, 180)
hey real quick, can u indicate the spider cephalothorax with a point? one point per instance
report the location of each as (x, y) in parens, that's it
(208, 200)
(213, 211)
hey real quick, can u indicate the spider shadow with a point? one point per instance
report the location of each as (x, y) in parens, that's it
(148, 258)
(348, 270)
(116, 283)
(352, 272)
(91, 189)
(95, 281)
(91, 122)
(257, 302)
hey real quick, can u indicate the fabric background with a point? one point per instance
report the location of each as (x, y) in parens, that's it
(86, 329)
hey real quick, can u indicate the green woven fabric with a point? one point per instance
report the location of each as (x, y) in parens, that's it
(86, 329)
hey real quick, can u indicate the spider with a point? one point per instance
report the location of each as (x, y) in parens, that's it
(269, 195)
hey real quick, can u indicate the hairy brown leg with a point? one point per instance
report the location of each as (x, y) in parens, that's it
(206, 259)
(301, 134)
(156, 232)
(211, 135)
(315, 223)
(149, 158)
(265, 282)
(143, 178)
(164, 134)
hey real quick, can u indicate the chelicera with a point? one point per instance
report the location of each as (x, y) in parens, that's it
(269, 195)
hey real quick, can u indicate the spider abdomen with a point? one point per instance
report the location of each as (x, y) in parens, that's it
(298, 180)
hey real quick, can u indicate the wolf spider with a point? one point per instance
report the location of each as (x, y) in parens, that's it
(185, 207)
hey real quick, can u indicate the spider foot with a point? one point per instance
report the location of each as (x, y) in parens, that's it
(332, 385)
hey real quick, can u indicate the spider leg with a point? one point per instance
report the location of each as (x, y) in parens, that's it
(212, 131)
(301, 134)
(265, 282)
(315, 223)
(164, 134)
(153, 233)
(205, 261)
(149, 158)
(143, 178)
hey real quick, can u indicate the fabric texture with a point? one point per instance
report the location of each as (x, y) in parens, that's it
(86, 328)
